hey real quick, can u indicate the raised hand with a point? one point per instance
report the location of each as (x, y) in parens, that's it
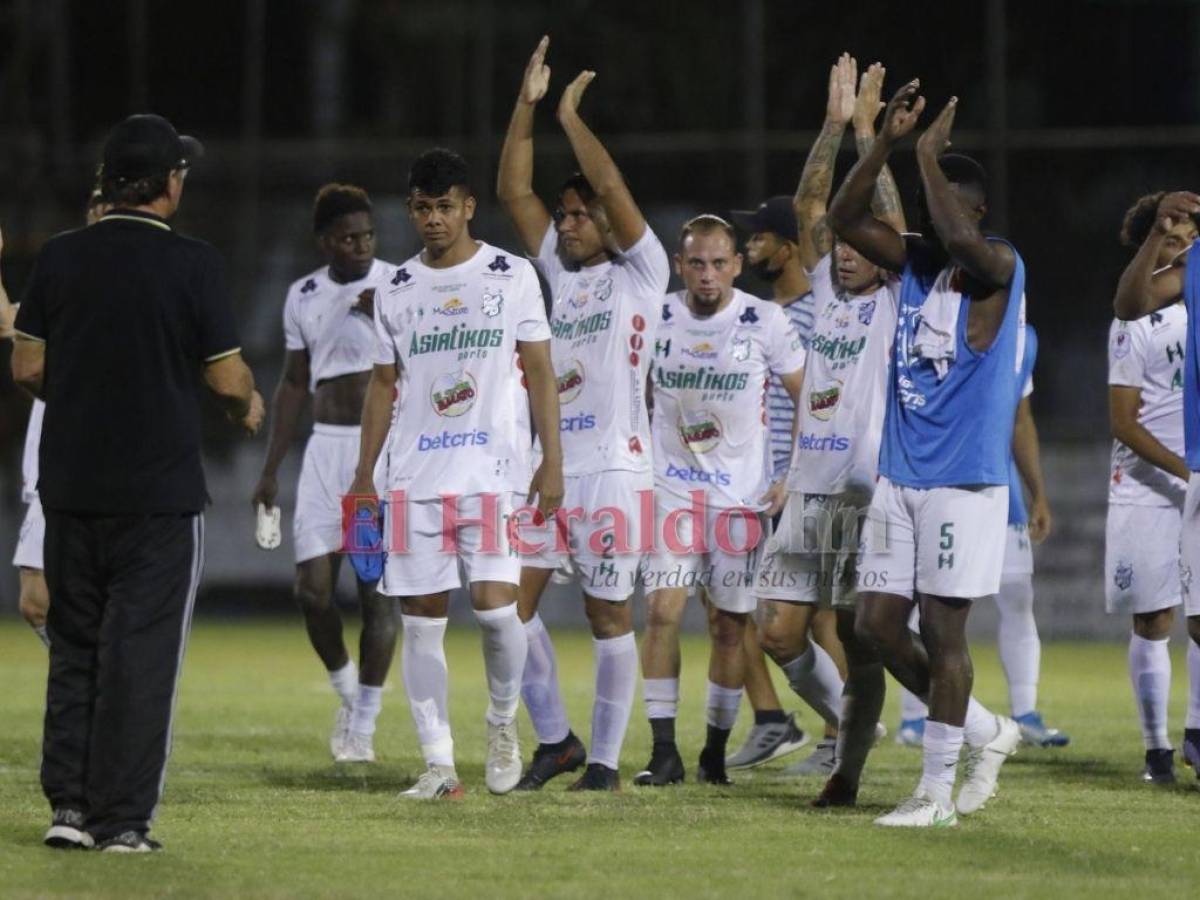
(840, 107)
(936, 138)
(902, 112)
(569, 104)
(537, 74)
(868, 103)
(1174, 208)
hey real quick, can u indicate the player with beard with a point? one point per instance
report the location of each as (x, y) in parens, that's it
(715, 349)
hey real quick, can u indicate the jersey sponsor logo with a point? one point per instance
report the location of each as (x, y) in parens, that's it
(635, 445)
(1123, 576)
(909, 396)
(838, 349)
(692, 475)
(309, 286)
(1120, 344)
(570, 382)
(452, 395)
(702, 350)
(823, 443)
(457, 338)
(700, 431)
(704, 378)
(448, 440)
(452, 307)
(493, 302)
(639, 322)
(499, 264)
(1174, 351)
(567, 330)
(749, 317)
(401, 276)
(866, 312)
(822, 404)
(740, 349)
(1155, 318)
(581, 422)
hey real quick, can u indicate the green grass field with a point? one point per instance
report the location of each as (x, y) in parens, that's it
(254, 806)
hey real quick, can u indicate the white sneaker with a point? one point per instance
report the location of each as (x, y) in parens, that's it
(436, 783)
(919, 811)
(503, 768)
(357, 748)
(341, 731)
(981, 766)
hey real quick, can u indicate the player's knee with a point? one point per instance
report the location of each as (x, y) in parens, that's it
(608, 620)
(312, 597)
(663, 612)
(780, 643)
(1156, 626)
(728, 630)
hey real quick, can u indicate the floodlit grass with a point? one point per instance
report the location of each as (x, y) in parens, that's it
(255, 807)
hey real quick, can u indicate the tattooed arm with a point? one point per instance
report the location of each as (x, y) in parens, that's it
(885, 203)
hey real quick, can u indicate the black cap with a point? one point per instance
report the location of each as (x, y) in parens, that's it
(145, 145)
(775, 214)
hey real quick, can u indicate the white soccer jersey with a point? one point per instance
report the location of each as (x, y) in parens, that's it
(845, 388)
(1147, 354)
(709, 377)
(602, 319)
(29, 460)
(462, 425)
(332, 321)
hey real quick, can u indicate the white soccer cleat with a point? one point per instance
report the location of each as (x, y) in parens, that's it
(981, 766)
(919, 811)
(503, 768)
(267, 533)
(341, 732)
(357, 748)
(435, 783)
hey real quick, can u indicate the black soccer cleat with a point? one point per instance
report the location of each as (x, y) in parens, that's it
(550, 760)
(1160, 767)
(837, 792)
(711, 769)
(665, 767)
(597, 777)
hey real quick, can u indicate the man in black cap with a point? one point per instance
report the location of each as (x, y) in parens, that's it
(120, 324)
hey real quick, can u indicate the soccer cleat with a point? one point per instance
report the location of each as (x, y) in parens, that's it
(919, 811)
(880, 733)
(597, 777)
(1191, 749)
(66, 831)
(357, 748)
(767, 742)
(711, 769)
(837, 792)
(341, 731)
(1035, 733)
(911, 733)
(665, 767)
(129, 842)
(819, 762)
(502, 770)
(981, 766)
(436, 783)
(549, 760)
(1160, 767)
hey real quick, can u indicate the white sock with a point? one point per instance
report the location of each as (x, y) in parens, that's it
(1150, 674)
(911, 706)
(345, 682)
(539, 685)
(423, 664)
(1193, 713)
(505, 649)
(940, 761)
(43, 635)
(1020, 648)
(723, 706)
(616, 682)
(661, 696)
(366, 709)
(980, 725)
(814, 677)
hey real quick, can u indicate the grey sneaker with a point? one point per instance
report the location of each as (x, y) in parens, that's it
(767, 742)
(819, 762)
(129, 842)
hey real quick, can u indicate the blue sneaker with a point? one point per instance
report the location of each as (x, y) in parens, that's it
(1035, 733)
(911, 733)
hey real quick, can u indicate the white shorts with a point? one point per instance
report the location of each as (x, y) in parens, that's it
(812, 554)
(1141, 559)
(330, 460)
(33, 534)
(1189, 547)
(723, 560)
(426, 550)
(604, 539)
(942, 541)
(1018, 552)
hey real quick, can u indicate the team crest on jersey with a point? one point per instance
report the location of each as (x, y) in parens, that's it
(570, 382)
(499, 264)
(700, 431)
(866, 312)
(749, 317)
(452, 307)
(666, 316)
(401, 276)
(1121, 343)
(702, 350)
(842, 319)
(453, 394)
(740, 348)
(309, 286)
(822, 404)
(1123, 576)
(603, 289)
(493, 302)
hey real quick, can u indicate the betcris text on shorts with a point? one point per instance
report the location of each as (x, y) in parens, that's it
(698, 476)
(449, 439)
(820, 443)
(581, 422)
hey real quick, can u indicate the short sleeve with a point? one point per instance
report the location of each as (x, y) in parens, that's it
(785, 349)
(1126, 354)
(647, 265)
(548, 262)
(530, 309)
(293, 336)
(218, 335)
(31, 316)
(385, 352)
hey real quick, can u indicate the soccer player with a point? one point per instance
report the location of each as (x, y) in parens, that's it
(1152, 494)
(715, 349)
(462, 334)
(607, 273)
(329, 336)
(809, 561)
(938, 514)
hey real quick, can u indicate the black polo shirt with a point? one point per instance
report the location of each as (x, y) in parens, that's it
(130, 312)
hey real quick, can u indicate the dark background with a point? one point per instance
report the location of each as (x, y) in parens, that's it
(1077, 108)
